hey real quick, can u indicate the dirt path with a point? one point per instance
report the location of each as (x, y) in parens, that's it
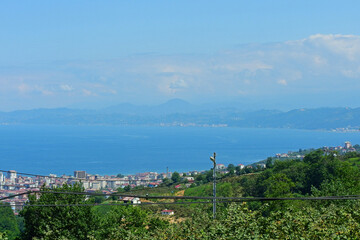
(180, 193)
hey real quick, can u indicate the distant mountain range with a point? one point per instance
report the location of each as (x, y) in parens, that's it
(177, 112)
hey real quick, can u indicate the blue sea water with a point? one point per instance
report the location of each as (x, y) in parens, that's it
(128, 150)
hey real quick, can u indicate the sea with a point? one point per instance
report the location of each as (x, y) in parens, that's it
(109, 150)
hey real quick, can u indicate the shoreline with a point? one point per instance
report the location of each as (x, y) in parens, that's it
(186, 125)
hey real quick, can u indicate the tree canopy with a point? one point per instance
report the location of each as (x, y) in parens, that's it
(58, 222)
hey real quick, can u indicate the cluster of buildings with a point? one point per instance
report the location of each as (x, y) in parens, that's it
(342, 149)
(13, 183)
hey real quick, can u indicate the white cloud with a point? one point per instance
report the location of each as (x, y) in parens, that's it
(24, 88)
(282, 82)
(28, 89)
(46, 92)
(112, 91)
(247, 82)
(178, 84)
(346, 45)
(178, 69)
(318, 60)
(317, 63)
(172, 85)
(351, 73)
(66, 87)
(87, 93)
(241, 92)
(238, 67)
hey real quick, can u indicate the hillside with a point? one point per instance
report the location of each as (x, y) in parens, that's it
(177, 112)
(263, 214)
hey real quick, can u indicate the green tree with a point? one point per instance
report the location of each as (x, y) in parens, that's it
(123, 222)
(209, 176)
(231, 167)
(199, 178)
(320, 168)
(62, 222)
(167, 182)
(269, 163)
(175, 177)
(127, 188)
(239, 171)
(278, 185)
(8, 223)
(120, 175)
(249, 169)
(98, 199)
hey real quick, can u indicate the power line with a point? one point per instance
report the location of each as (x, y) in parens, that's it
(15, 195)
(244, 199)
(74, 178)
(168, 203)
(207, 198)
(107, 204)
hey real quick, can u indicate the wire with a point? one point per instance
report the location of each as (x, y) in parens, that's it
(208, 198)
(112, 204)
(244, 199)
(15, 195)
(98, 204)
(74, 178)
(163, 203)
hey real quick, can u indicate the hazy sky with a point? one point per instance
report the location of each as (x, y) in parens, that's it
(261, 54)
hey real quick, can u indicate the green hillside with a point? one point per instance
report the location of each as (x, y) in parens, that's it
(318, 174)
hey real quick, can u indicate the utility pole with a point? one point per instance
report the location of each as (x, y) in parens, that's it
(213, 159)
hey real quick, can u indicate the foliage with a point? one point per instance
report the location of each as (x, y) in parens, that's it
(278, 185)
(119, 175)
(3, 236)
(127, 188)
(122, 220)
(8, 224)
(127, 222)
(62, 222)
(240, 222)
(167, 182)
(175, 177)
(98, 199)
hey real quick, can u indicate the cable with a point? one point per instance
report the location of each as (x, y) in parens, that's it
(163, 203)
(16, 195)
(207, 198)
(74, 178)
(113, 204)
(343, 197)
(98, 204)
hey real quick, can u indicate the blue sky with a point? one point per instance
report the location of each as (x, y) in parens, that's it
(261, 54)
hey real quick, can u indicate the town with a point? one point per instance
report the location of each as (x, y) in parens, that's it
(14, 183)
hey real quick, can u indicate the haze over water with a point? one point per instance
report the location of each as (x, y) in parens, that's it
(114, 149)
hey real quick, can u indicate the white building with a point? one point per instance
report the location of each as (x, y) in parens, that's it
(86, 184)
(2, 177)
(96, 185)
(220, 166)
(12, 175)
(242, 166)
(133, 200)
(347, 145)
